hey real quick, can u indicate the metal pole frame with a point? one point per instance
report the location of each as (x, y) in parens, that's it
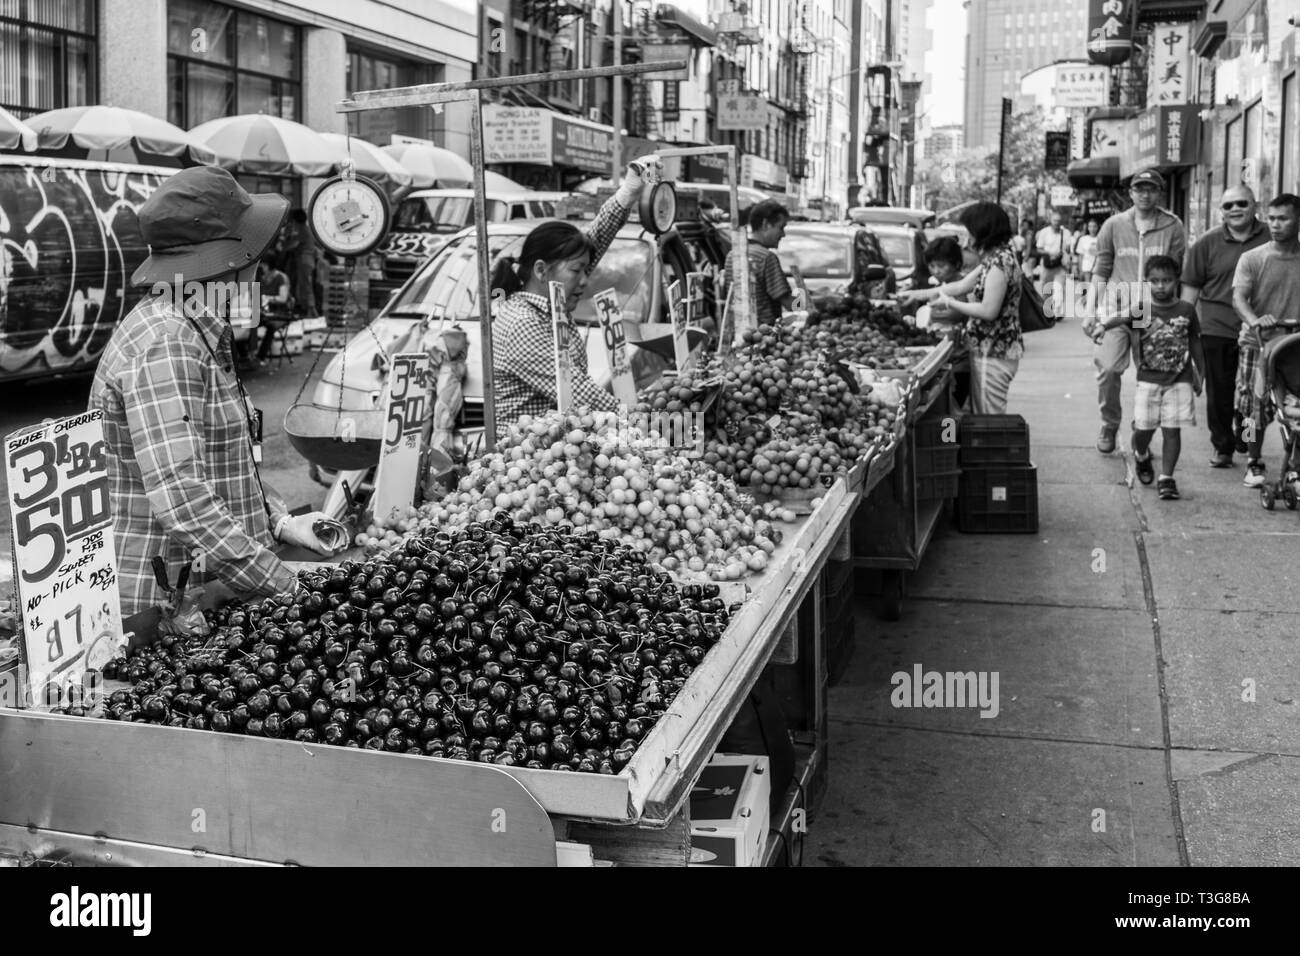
(471, 91)
(739, 237)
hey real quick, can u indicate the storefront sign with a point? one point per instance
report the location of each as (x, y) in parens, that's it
(1097, 208)
(406, 398)
(1165, 136)
(65, 566)
(513, 134)
(662, 52)
(1063, 196)
(760, 173)
(1110, 31)
(581, 144)
(742, 112)
(563, 357)
(611, 324)
(1078, 134)
(706, 169)
(1081, 86)
(1169, 72)
(1106, 137)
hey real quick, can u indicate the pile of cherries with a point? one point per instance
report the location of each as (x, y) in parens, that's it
(501, 643)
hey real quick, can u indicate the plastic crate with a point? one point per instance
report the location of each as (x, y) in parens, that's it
(994, 440)
(942, 484)
(837, 577)
(998, 500)
(937, 459)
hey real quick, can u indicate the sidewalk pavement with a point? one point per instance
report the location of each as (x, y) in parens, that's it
(1146, 653)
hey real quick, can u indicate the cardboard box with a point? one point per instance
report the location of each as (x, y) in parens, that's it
(730, 811)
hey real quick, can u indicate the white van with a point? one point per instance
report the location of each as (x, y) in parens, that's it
(427, 218)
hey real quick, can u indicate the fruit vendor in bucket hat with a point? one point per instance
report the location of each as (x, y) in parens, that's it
(181, 438)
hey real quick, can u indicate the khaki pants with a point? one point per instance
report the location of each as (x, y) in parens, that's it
(1111, 358)
(990, 381)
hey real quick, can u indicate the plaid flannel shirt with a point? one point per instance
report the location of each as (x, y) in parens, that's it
(180, 467)
(524, 343)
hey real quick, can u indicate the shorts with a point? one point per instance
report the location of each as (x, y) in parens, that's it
(1164, 406)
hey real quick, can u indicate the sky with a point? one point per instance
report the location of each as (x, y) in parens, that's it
(946, 62)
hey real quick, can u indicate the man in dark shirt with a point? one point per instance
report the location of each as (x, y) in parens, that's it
(1207, 282)
(769, 289)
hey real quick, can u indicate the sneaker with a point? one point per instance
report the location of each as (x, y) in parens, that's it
(1106, 440)
(1167, 488)
(1255, 472)
(1221, 459)
(1146, 471)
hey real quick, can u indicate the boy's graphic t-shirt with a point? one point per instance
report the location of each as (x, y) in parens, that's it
(1164, 347)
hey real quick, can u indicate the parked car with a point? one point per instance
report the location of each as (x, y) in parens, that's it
(834, 258)
(69, 244)
(891, 215)
(904, 248)
(427, 218)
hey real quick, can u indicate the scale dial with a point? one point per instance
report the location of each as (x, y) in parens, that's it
(658, 209)
(349, 217)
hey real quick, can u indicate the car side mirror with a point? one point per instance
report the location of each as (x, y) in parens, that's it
(876, 272)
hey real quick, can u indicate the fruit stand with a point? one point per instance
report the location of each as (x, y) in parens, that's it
(536, 668)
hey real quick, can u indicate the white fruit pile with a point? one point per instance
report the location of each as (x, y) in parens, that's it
(591, 471)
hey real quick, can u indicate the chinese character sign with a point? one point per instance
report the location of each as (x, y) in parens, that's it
(611, 325)
(1167, 76)
(742, 112)
(1110, 31)
(1081, 86)
(65, 567)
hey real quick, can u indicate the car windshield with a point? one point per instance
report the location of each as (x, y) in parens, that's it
(823, 255)
(443, 214)
(448, 286)
(897, 249)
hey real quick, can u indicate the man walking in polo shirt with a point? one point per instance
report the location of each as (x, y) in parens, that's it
(1126, 241)
(1207, 281)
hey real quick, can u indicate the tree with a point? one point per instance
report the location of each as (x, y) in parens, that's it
(973, 173)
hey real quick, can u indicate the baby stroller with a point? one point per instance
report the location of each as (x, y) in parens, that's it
(1280, 370)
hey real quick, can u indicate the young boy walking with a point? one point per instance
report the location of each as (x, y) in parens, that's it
(1171, 371)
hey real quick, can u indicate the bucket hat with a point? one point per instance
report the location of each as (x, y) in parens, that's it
(200, 224)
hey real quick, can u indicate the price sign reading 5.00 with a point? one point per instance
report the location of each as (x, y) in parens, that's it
(611, 324)
(61, 509)
(408, 398)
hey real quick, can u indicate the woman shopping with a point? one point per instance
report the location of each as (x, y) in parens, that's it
(523, 335)
(991, 309)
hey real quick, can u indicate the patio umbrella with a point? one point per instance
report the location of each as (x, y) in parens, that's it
(14, 133)
(432, 165)
(371, 161)
(264, 145)
(121, 134)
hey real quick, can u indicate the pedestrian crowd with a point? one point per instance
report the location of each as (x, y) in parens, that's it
(1210, 318)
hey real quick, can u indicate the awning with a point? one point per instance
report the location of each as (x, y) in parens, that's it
(1093, 173)
(699, 32)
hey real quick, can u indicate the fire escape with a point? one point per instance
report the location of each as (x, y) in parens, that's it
(798, 55)
(645, 117)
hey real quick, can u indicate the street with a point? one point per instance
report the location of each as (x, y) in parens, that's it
(1148, 661)
(272, 389)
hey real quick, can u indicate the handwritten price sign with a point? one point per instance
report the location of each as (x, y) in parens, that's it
(563, 357)
(611, 324)
(677, 306)
(66, 567)
(406, 398)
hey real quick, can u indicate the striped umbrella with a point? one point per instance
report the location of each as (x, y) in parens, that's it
(114, 129)
(371, 161)
(432, 165)
(268, 146)
(14, 133)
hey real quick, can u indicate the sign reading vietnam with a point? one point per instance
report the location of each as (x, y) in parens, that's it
(1110, 31)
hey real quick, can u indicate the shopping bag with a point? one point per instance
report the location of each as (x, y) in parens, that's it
(1033, 317)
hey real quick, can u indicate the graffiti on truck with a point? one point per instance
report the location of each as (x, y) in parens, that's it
(69, 242)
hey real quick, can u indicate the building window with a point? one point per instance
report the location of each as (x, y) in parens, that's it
(224, 62)
(374, 71)
(1233, 153)
(1252, 132)
(496, 57)
(48, 55)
